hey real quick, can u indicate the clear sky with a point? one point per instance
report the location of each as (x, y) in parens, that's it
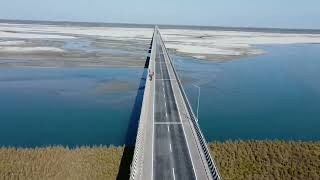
(241, 13)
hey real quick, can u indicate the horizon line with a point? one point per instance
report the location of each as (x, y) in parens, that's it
(176, 25)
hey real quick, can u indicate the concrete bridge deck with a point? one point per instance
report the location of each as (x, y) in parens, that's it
(169, 143)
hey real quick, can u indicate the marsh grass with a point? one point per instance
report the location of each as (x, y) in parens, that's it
(235, 159)
(60, 163)
(267, 159)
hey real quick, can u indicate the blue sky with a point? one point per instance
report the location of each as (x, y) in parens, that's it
(241, 13)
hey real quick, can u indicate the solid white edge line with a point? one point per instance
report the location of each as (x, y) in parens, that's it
(173, 174)
(193, 168)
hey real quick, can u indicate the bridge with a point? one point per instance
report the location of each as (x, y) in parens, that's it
(169, 143)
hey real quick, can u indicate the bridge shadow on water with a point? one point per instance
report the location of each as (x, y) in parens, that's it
(127, 156)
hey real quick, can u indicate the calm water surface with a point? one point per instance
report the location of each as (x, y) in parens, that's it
(273, 96)
(71, 107)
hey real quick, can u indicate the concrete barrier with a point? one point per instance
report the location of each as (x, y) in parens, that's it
(142, 145)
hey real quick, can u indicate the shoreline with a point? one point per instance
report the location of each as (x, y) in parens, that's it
(124, 145)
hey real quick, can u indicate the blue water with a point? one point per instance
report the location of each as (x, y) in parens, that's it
(42, 107)
(273, 96)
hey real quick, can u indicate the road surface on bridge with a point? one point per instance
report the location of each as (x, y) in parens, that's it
(171, 154)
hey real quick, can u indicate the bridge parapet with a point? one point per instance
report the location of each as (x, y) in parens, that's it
(145, 124)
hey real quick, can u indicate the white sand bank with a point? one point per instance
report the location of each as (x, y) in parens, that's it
(4, 34)
(22, 50)
(11, 43)
(202, 44)
(116, 33)
(230, 43)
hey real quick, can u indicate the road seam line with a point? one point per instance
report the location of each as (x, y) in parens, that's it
(165, 80)
(167, 123)
(154, 94)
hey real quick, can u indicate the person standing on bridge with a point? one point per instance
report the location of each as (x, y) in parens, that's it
(151, 73)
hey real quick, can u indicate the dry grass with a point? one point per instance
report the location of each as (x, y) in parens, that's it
(235, 159)
(267, 159)
(60, 163)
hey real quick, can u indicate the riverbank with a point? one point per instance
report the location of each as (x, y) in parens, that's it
(235, 159)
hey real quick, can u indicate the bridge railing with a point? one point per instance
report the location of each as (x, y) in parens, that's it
(209, 160)
(138, 156)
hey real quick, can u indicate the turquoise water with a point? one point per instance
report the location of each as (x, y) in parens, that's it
(273, 96)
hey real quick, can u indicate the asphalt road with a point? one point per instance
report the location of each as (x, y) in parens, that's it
(171, 158)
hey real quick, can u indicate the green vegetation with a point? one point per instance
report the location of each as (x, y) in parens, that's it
(235, 159)
(267, 159)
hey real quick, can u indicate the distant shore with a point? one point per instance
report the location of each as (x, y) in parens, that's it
(235, 159)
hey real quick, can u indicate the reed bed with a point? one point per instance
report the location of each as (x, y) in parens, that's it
(267, 159)
(60, 163)
(235, 159)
